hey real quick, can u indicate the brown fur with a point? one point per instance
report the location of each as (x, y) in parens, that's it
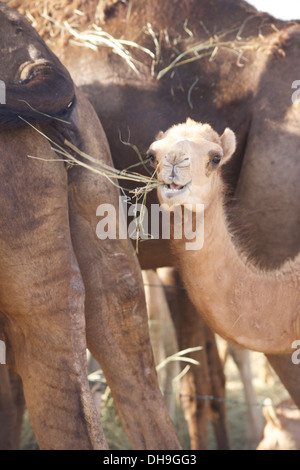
(206, 380)
(61, 288)
(251, 96)
(248, 304)
(37, 86)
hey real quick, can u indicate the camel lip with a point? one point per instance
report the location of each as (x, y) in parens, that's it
(172, 189)
(174, 186)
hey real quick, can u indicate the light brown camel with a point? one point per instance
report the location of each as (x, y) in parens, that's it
(244, 81)
(246, 305)
(203, 380)
(282, 428)
(61, 288)
(254, 419)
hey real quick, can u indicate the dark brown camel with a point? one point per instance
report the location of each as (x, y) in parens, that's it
(61, 288)
(243, 82)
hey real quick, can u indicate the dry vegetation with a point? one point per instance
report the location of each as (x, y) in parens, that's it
(82, 22)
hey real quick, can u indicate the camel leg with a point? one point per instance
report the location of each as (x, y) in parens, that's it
(6, 410)
(12, 407)
(218, 383)
(288, 372)
(116, 316)
(254, 431)
(42, 296)
(162, 335)
(18, 404)
(206, 379)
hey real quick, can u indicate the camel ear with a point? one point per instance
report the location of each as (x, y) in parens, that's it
(190, 122)
(159, 136)
(228, 142)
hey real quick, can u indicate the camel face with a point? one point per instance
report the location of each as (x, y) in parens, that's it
(187, 158)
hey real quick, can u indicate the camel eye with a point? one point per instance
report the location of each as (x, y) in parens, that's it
(215, 160)
(152, 159)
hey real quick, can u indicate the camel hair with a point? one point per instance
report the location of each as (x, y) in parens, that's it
(254, 308)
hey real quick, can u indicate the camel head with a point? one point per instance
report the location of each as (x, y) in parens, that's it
(187, 158)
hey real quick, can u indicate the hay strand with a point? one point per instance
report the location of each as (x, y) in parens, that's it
(79, 26)
(102, 169)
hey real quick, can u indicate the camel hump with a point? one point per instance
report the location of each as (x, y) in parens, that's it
(34, 83)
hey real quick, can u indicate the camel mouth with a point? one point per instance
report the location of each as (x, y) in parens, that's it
(171, 190)
(174, 187)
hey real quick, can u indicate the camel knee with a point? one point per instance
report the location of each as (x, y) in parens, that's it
(51, 289)
(42, 320)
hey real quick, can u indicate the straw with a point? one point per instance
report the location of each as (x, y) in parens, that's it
(109, 172)
(209, 48)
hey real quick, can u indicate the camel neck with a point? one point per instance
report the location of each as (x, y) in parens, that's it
(256, 309)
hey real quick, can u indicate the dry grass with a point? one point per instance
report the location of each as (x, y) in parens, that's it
(73, 156)
(77, 22)
(77, 13)
(70, 154)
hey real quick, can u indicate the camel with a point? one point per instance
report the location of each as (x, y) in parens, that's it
(254, 421)
(61, 288)
(211, 379)
(282, 427)
(249, 65)
(238, 300)
(208, 375)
